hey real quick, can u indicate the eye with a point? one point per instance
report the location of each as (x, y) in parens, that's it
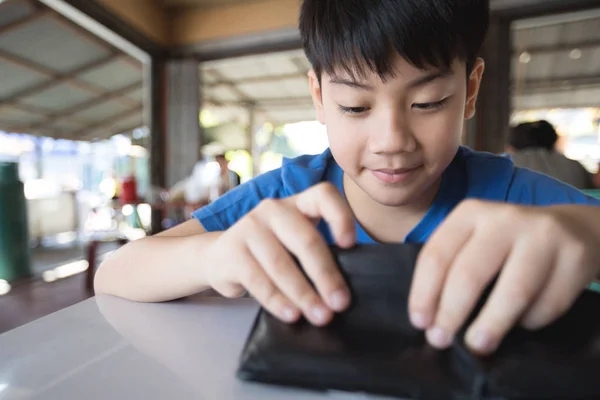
(430, 106)
(352, 110)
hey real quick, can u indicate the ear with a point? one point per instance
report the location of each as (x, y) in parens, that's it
(473, 88)
(317, 95)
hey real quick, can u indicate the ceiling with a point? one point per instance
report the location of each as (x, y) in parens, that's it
(60, 81)
(556, 61)
(274, 85)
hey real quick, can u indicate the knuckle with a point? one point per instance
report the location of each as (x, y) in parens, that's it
(268, 206)
(449, 316)
(577, 251)
(509, 213)
(327, 277)
(231, 291)
(470, 205)
(309, 238)
(269, 295)
(547, 224)
(326, 190)
(251, 279)
(278, 260)
(433, 258)
(470, 279)
(520, 295)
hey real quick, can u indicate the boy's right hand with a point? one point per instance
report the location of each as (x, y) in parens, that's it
(254, 255)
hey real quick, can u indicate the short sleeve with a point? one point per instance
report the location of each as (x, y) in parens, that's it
(532, 188)
(233, 205)
(293, 177)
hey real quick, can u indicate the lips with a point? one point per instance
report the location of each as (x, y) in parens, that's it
(399, 175)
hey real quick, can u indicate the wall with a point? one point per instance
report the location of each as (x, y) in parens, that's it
(147, 16)
(193, 26)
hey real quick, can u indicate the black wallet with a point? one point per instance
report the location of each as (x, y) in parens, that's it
(373, 347)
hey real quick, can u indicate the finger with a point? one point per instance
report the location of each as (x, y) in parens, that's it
(286, 275)
(432, 266)
(325, 201)
(260, 286)
(313, 254)
(567, 282)
(471, 272)
(526, 271)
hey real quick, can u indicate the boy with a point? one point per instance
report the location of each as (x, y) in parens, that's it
(393, 81)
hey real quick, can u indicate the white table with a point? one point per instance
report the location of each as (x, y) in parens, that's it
(109, 348)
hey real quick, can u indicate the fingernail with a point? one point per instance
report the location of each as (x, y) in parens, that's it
(419, 320)
(319, 313)
(339, 300)
(289, 314)
(439, 338)
(481, 342)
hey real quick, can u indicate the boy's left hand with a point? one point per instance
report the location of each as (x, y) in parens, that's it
(545, 257)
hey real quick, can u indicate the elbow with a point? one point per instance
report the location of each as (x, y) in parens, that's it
(99, 282)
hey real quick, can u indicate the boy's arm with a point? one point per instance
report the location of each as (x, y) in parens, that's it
(164, 267)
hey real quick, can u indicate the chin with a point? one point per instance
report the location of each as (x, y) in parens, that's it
(394, 198)
(398, 196)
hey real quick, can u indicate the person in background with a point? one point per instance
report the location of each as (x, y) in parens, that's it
(228, 179)
(532, 145)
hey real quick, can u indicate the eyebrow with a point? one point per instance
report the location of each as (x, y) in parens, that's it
(420, 81)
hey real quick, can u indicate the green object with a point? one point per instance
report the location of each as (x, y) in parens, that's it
(594, 193)
(594, 287)
(14, 230)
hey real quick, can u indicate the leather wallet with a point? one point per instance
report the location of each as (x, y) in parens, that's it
(372, 347)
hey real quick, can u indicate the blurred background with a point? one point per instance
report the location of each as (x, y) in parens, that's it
(118, 118)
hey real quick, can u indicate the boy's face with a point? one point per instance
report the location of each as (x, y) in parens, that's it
(394, 139)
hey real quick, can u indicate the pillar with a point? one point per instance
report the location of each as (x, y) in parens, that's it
(487, 131)
(184, 136)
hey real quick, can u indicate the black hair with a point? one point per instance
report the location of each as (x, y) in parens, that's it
(361, 36)
(531, 135)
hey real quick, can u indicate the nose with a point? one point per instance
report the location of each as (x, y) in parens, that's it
(392, 135)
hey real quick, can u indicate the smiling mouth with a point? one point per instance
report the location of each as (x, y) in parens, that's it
(395, 175)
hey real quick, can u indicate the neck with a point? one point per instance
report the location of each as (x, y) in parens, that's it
(388, 223)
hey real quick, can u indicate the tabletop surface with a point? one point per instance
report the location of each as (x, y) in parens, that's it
(109, 348)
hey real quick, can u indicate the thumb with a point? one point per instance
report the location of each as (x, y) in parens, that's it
(324, 201)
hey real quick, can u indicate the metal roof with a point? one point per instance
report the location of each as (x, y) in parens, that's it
(275, 85)
(58, 80)
(556, 61)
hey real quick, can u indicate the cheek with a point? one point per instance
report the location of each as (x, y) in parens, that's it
(346, 140)
(441, 132)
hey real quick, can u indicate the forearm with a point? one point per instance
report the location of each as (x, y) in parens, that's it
(157, 268)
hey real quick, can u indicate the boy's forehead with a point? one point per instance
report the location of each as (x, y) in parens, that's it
(401, 70)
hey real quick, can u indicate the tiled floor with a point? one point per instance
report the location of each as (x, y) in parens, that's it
(34, 298)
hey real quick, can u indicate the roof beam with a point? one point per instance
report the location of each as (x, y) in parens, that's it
(540, 49)
(278, 103)
(57, 79)
(245, 99)
(554, 84)
(24, 21)
(31, 109)
(258, 79)
(78, 30)
(110, 134)
(42, 70)
(83, 106)
(92, 129)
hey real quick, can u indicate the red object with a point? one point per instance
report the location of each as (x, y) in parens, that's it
(128, 190)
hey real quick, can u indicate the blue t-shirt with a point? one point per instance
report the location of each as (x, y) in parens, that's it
(470, 175)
